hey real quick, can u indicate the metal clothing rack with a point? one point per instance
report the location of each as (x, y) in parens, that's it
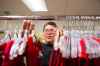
(71, 22)
(50, 17)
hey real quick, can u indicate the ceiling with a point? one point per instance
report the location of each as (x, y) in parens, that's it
(55, 8)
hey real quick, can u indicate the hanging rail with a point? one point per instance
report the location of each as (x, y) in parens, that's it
(50, 17)
(25, 18)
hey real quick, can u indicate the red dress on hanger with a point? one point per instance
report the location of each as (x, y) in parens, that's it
(83, 59)
(18, 61)
(32, 53)
(56, 59)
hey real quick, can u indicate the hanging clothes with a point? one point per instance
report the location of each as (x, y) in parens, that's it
(3, 43)
(6, 61)
(74, 48)
(2, 47)
(32, 53)
(60, 53)
(75, 43)
(96, 61)
(56, 59)
(83, 59)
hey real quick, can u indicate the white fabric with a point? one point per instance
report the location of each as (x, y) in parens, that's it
(93, 48)
(56, 41)
(65, 44)
(62, 43)
(18, 47)
(75, 43)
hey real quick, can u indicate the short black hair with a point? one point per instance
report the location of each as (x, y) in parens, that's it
(50, 23)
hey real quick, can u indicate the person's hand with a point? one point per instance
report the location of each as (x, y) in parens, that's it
(28, 27)
(59, 33)
(32, 29)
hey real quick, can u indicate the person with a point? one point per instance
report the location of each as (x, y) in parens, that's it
(37, 52)
(40, 53)
(49, 33)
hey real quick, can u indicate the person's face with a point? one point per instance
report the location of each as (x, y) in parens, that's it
(49, 33)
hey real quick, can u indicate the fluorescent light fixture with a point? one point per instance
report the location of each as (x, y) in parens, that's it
(36, 5)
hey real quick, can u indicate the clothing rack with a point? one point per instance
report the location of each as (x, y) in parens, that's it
(50, 17)
(80, 23)
(83, 23)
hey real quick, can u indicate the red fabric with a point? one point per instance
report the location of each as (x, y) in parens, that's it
(6, 61)
(97, 39)
(56, 59)
(96, 61)
(2, 47)
(1, 52)
(32, 53)
(83, 49)
(84, 61)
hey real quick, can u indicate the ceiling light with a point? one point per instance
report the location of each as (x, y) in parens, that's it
(36, 5)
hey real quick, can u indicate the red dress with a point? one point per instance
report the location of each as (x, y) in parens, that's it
(32, 53)
(83, 59)
(6, 61)
(56, 59)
